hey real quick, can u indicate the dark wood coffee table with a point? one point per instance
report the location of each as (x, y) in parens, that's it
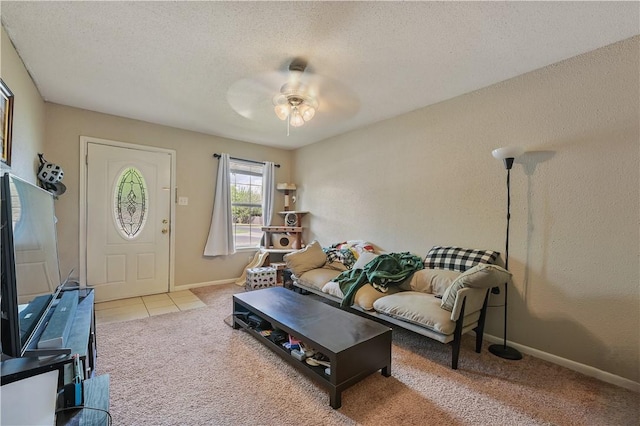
(356, 347)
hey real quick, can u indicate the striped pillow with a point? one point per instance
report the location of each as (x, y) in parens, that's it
(457, 258)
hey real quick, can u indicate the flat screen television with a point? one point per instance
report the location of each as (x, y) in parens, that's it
(29, 257)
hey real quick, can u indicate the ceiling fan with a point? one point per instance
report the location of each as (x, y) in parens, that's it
(296, 101)
(295, 95)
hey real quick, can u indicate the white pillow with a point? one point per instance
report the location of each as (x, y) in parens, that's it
(364, 258)
(333, 288)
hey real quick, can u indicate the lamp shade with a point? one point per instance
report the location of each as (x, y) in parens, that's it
(307, 111)
(282, 111)
(507, 152)
(296, 119)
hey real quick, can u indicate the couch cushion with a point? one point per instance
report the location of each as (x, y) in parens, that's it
(433, 281)
(422, 309)
(457, 258)
(338, 266)
(365, 296)
(310, 257)
(480, 276)
(317, 278)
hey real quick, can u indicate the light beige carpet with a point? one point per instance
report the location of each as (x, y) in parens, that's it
(190, 368)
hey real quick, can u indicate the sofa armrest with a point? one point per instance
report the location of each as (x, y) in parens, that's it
(474, 301)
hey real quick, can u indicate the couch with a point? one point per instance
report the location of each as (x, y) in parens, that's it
(443, 298)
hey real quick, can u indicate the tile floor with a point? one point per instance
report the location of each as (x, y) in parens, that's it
(146, 306)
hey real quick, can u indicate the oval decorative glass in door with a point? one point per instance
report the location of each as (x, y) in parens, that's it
(130, 203)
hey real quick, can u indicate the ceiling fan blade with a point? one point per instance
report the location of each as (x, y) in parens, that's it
(252, 97)
(249, 95)
(334, 98)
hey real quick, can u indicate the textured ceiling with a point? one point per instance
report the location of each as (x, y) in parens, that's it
(180, 63)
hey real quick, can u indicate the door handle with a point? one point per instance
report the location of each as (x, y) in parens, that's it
(165, 230)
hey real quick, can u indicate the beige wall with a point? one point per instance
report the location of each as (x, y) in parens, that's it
(28, 113)
(428, 178)
(196, 175)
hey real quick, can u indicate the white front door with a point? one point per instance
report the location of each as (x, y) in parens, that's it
(128, 218)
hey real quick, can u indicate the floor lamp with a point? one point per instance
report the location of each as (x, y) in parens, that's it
(507, 155)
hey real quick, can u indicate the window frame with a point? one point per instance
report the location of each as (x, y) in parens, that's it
(251, 170)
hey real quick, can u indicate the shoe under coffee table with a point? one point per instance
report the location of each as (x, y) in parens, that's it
(356, 346)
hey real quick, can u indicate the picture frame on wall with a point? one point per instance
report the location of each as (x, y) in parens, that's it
(6, 112)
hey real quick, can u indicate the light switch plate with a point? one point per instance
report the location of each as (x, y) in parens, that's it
(183, 201)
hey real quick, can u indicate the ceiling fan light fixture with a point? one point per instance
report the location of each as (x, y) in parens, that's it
(296, 118)
(307, 111)
(293, 102)
(282, 111)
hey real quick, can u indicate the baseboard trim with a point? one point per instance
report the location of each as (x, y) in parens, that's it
(572, 365)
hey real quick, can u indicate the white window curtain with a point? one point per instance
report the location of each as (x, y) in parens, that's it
(268, 196)
(220, 241)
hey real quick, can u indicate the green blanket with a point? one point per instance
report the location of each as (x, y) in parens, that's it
(381, 272)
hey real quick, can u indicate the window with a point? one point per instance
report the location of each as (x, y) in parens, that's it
(246, 202)
(130, 203)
